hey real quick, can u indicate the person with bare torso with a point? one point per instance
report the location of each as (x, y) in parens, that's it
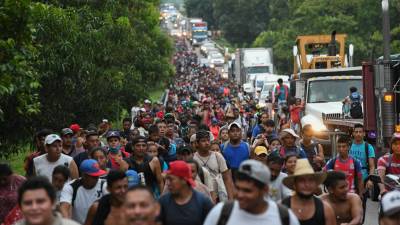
(347, 206)
(107, 210)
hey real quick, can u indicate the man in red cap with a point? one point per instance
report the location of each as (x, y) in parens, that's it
(183, 205)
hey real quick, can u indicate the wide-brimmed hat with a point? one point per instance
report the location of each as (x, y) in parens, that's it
(303, 168)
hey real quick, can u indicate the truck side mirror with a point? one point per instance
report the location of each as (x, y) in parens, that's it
(295, 51)
(351, 50)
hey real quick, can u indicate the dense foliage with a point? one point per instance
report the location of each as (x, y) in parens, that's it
(276, 23)
(69, 61)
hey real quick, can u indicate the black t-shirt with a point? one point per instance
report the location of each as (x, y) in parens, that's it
(192, 213)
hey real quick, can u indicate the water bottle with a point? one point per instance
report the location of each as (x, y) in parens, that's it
(142, 179)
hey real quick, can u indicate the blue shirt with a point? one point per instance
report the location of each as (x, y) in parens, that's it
(256, 130)
(358, 151)
(235, 155)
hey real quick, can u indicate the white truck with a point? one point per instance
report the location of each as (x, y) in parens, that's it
(251, 63)
(323, 91)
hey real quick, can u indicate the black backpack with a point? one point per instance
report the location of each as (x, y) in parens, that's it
(356, 110)
(77, 183)
(228, 207)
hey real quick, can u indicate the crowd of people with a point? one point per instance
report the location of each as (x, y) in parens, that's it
(210, 155)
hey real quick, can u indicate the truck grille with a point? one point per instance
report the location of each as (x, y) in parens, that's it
(331, 116)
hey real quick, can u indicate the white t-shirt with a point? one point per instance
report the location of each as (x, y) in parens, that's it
(84, 198)
(277, 190)
(240, 217)
(45, 168)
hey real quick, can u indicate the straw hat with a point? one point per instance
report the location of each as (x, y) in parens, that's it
(303, 168)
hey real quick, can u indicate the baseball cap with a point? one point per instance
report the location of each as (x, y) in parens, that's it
(182, 170)
(395, 137)
(260, 150)
(75, 127)
(66, 131)
(193, 138)
(147, 101)
(113, 133)
(139, 139)
(234, 124)
(390, 203)
(91, 167)
(133, 178)
(256, 170)
(183, 150)
(51, 138)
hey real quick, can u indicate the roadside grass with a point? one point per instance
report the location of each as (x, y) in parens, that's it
(225, 44)
(16, 160)
(156, 93)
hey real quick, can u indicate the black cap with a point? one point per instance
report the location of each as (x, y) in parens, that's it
(183, 150)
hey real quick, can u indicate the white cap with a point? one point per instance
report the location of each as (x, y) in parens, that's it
(291, 132)
(147, 101)
(391, 203)
(234, 124)
(51, 138)
(193, 138)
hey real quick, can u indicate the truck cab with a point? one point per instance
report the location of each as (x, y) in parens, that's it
(324, 98)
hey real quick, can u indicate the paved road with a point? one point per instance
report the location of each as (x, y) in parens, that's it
(371, 215)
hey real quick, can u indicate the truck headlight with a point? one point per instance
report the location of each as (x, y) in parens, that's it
(318, 127)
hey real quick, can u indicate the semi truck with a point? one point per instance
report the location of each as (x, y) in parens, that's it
(197, 31)
(250, 63)
(322, 79)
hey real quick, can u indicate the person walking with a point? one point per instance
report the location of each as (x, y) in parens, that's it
(107, 210)
(349, 165)
(250, 206)
(80, 194)
(347, 206)
(183, 205)
(309, 209)
(36, 201)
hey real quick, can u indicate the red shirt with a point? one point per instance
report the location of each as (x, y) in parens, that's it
(346, 167)
(9, 195)
(295, 113)
(393, 168)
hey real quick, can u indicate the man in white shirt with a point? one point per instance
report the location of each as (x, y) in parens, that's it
(44, 165)
(277, 190)
(79, 195)
(250, 206)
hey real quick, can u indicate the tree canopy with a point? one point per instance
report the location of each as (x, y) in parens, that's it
(69, 61)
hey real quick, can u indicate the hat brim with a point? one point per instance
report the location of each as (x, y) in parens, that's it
(189, 180)
(98, 173)
(51, 142)
(289, 180)
(392, 212)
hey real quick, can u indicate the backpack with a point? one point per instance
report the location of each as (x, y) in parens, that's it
(77, 183)
(228, 207)
(356, 110)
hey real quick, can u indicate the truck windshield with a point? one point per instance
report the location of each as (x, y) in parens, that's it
(200, 33)
(331, 90)
(258, 69)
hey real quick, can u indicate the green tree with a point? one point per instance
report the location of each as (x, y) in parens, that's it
(18, 78)
(241, 21)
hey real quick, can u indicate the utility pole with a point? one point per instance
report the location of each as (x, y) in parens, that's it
(388, 116)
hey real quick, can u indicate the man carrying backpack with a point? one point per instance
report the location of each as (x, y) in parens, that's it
(356, 101)
(79, 195)
(347, 164)
(251, 206)
(365, 153)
